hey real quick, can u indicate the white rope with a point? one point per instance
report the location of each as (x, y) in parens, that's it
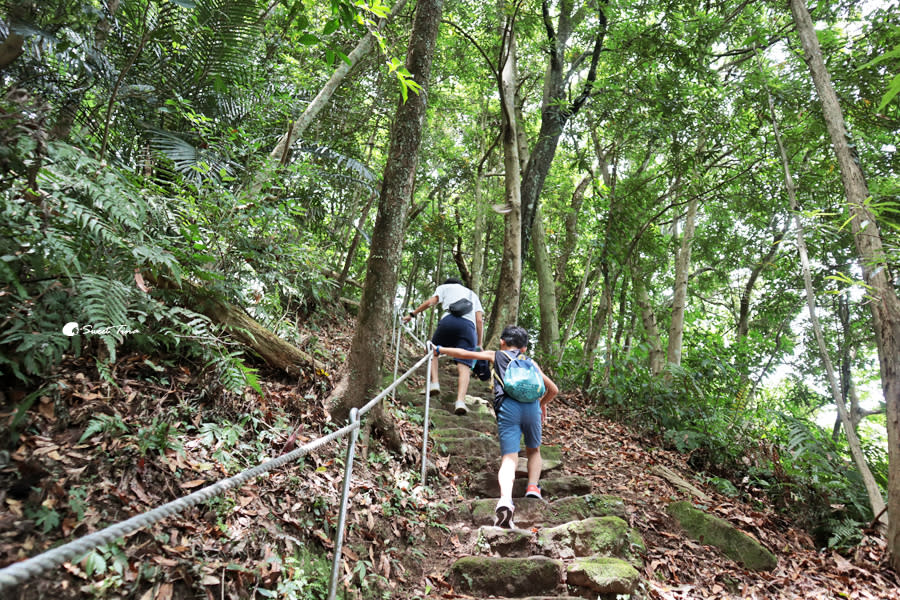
(20, 572)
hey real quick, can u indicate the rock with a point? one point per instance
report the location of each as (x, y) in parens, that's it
(530, 511)
(449, 433)
(604, 575)
(505, 542)
(486, 575)
(551, 456)
(603, 536)
(444, 419)
(711, 530)
(467, 446)
(485, 485)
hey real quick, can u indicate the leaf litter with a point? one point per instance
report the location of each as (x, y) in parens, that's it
(56, 487)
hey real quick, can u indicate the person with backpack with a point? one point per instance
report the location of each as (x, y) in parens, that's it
(461, 326)
(521, 395)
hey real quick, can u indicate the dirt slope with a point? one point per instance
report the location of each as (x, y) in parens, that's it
(272, 537)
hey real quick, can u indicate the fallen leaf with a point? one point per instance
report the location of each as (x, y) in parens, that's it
(165, 592)
(139, 280)
(192, 484)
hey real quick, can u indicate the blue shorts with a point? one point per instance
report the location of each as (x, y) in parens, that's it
(456, 332)
(515, 419)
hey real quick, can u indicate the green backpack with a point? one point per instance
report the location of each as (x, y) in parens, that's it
(522, 381)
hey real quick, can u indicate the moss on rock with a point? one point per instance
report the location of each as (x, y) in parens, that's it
(735, 544)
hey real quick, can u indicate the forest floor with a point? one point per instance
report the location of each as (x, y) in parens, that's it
(93, 453)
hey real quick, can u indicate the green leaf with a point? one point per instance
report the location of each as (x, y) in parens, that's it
(331, 26)
(309, 39)
(94, 563)
(892, 92)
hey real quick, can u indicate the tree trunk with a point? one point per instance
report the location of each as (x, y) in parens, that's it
(743, 322)
(354, 246)
(275, 351)
(656, 360)
(272, 349)
(506, 300)
(480, 214)
(682, 266)
(374, 321)
(556, 110)
(571, 227)
(874, 492)
(548, 338)
(577, 299)
(597, 326)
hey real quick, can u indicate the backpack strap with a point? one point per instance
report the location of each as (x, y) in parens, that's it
(494, 375)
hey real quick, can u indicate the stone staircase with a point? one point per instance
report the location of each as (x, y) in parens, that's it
(574, 543)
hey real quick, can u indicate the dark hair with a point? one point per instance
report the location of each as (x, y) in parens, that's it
(515, 336)
(454, 280)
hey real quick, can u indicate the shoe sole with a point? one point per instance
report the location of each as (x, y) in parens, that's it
(461, 411)
(535, 496)
(504, 517)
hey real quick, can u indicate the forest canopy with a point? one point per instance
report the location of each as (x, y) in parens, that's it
(635, 182)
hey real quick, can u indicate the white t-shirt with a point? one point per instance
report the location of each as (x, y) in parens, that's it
(449, 293)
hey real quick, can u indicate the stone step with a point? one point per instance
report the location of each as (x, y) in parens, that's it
(531, 512)
(485, 485)
(508, 577)
(444, 419)
(594, 536)
(605, 576)
(462, 460)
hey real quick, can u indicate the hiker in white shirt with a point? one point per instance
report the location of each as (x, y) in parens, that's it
(461, 326)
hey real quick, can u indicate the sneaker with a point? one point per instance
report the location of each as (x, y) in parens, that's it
(504, 515)
(460, 408)
(533, 491)
(434, 389)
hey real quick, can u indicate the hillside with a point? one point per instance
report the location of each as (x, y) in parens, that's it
(100, 453)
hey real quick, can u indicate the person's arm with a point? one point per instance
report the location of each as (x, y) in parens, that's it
(464, 354)
(479, 327)
(551, 391)
(421, 308)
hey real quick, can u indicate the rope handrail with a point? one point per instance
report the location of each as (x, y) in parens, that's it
(22, 571)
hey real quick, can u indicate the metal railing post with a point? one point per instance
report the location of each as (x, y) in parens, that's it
(397, 336)
(342, 517)
(429, 349)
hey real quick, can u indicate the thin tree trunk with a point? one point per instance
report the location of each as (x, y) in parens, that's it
(682, 266)
(72, 103)
(548, 337)
(743, 322)
(556, 109)
(656, 360)
(885, 305)
(506, 301)
(576, 305)
(571, 227)
(373, 323)
(354, 246)
(480, 214)
(874, 492)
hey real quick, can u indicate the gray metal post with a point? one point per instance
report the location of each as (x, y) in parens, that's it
(430, 349)
(397, 336)
(342, 517)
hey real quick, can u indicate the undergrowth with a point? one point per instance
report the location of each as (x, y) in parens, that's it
(767, 449)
